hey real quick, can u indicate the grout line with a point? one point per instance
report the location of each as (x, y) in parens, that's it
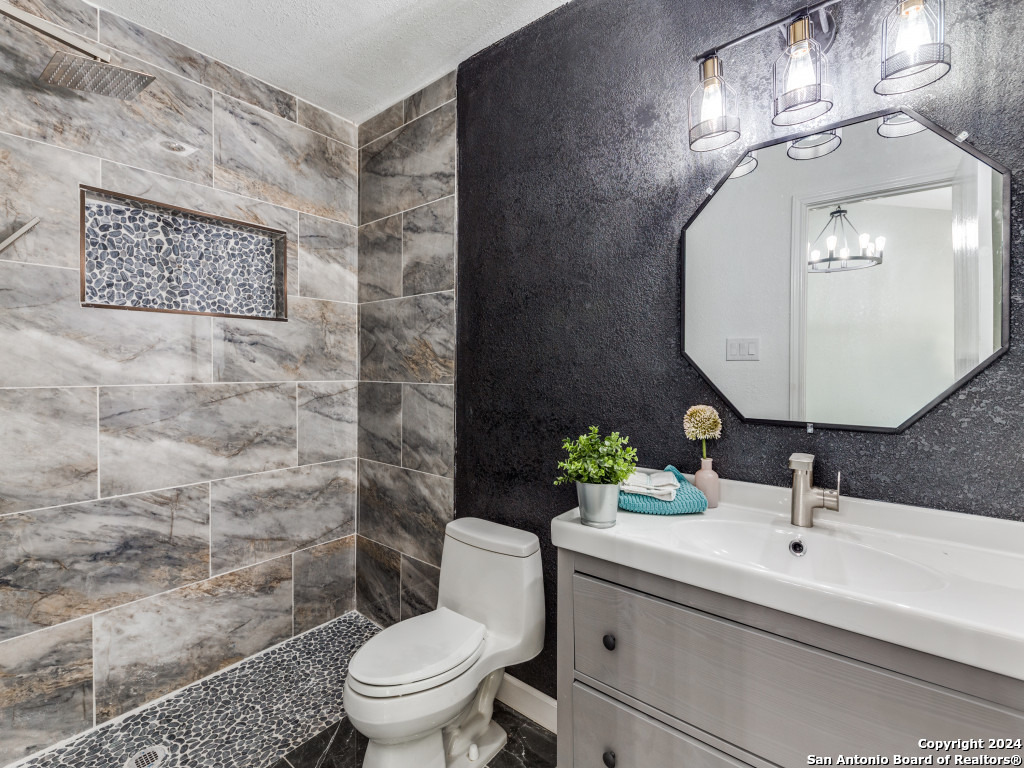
(404, 122)
(175, 487)
(297, 424)
(33, 264)
(401, 425)
(404, 210)
(213, 140)
(411, 296)
(400, 552)
(407, 469)
(92, 643)
(191, 384)
(292, 558)
(99, 484)
(209, 532)
(401, 241)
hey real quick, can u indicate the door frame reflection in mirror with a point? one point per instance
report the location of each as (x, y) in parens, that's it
(960, 143)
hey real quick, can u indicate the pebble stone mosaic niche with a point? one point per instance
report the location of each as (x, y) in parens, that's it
(143, 255)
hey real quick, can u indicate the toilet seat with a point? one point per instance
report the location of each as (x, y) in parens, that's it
(416, 654)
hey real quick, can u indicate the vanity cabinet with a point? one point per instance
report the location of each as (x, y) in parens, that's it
(658, 673)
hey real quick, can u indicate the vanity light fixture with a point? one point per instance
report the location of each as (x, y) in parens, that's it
(897, 125)
(839, 256)
(914, 52)
(801, 88)
(713, 120)
(747, 165)
(816, 145)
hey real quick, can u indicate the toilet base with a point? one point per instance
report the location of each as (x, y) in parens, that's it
(489, 744)
(425, 752)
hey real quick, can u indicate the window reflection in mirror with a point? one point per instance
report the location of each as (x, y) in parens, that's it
(871, 279)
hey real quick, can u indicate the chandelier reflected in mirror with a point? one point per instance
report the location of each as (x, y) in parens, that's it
(839, 256)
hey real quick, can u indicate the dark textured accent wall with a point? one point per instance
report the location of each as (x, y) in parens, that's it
(574, 184)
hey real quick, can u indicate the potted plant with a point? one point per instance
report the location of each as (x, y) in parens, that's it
(597, 465)
(703, 423)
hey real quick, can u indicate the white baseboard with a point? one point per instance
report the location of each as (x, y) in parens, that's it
(529, 702)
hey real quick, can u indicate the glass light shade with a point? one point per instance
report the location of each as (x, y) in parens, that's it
(800, 77)
(713, 120)
(816, 145)
(914, 51)
(898, 125)
(747, 165)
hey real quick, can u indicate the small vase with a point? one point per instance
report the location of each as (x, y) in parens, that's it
(599, 503)
(706, 481)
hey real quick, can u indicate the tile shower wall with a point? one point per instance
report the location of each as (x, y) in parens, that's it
(179, 493)
(407, 347)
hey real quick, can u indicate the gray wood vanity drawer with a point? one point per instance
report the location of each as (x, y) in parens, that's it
(601, 725)
(767, 695)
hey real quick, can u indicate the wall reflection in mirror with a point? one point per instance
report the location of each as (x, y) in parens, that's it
(855, 282)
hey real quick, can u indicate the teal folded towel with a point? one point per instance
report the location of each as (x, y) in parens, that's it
(688, 501)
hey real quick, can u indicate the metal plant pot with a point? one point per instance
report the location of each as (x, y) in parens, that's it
(599, 503)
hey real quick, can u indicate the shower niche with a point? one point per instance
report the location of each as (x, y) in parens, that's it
(142, 255)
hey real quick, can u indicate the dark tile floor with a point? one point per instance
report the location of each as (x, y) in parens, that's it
(529, 746)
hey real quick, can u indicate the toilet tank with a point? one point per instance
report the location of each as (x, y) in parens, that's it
(492, 573)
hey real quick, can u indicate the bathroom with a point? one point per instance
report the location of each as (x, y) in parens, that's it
(480, 232)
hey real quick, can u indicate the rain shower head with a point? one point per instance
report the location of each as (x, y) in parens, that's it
(94, 75)
(84, 74)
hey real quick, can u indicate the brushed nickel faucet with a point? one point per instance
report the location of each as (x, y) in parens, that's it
(806, 498)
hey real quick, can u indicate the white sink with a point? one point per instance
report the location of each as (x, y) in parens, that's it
(825, 556)
(944, 583)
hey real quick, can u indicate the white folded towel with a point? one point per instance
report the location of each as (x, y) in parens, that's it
(660, 485)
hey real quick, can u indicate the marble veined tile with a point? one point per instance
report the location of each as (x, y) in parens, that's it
(420, 584)
(380, 421)
(328, 421)
(47, 338)
(283, 163)
(154, 646)
(42, 180)
(428, 248)
(408, 167)
(197, 197)
(428, 428)
(263, 516)
(47, 447)
(154, 48)
(383, 122)
(325, 582)
(160, 437)
(410, 339)
(380, 259)
(378, 582)
(328, 259)
(45, 688)
(172, 109)
(75, 15)
(322, 121)
(62, 563)
(430, 97)
(317, 343)
(407, 509)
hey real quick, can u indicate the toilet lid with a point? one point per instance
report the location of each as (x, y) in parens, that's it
(417, 649)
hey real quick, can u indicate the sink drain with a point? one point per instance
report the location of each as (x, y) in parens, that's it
(150, 757)
(797, 548)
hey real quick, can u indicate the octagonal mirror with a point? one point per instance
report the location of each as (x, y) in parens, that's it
(851, 278)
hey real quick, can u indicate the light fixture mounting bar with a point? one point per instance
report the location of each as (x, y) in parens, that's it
(805, 10)
(54, 32)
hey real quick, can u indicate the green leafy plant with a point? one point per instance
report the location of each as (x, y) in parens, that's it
(595, 459)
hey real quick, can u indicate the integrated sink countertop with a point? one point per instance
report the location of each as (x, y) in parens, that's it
(940, 582)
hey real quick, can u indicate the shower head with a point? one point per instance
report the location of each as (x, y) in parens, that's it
(84, 74)
(95, 75)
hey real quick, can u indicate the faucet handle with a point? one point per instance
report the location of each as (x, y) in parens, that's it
(802, 461)
(829, 498)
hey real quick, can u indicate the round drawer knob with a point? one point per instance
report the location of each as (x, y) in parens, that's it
(609, 643)
(609, 758)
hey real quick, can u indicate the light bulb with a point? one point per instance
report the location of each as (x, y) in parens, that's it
(801, 73)
(831, 241)
(815, 255)
(844, 253)
(913, 31)
(880, 244)
(711, 107)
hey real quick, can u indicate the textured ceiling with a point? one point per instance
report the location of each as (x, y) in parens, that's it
(352, 57)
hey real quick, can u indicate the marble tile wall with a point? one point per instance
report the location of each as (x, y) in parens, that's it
(178, 492)
(406, 291)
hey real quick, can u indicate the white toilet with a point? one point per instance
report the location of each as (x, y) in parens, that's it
(422, 691)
